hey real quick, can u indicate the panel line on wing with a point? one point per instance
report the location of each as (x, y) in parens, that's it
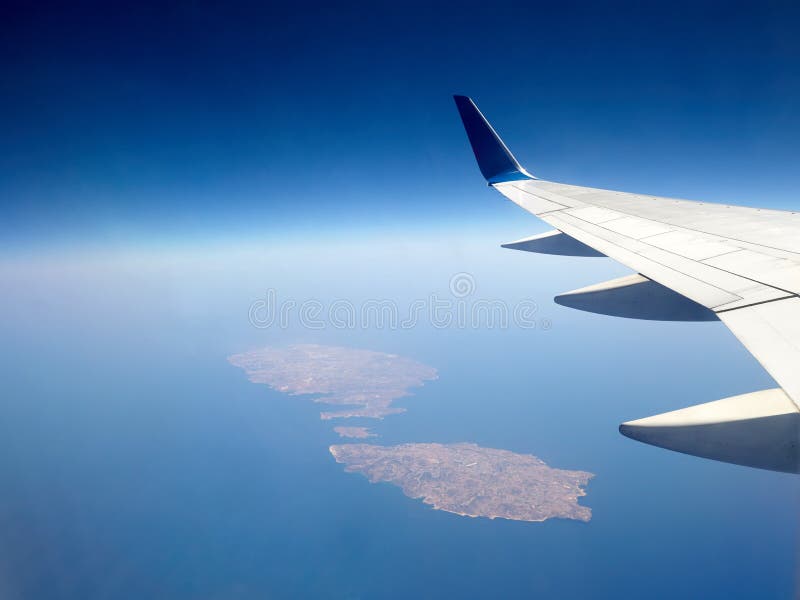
(702, 292)
(708, 274)
(724, 310)
(678, 250)
(627, 199)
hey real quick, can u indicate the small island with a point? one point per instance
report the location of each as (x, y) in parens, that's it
(469, 480)
(354, 432)
(364, 381)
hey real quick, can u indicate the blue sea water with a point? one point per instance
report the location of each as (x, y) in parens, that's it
(136, 462)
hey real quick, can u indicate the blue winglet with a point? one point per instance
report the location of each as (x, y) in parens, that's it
(494, 158)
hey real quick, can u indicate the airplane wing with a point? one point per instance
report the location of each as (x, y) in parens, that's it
(692, 261)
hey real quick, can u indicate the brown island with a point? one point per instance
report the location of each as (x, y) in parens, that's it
(469, 480)
(364, 381)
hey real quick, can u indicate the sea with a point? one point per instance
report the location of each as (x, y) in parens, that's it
(136, 462)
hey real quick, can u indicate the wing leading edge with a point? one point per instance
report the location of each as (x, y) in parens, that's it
(739, 264)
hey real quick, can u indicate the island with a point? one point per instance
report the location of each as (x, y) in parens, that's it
(354, 432)
(469, 480)
(363, 381)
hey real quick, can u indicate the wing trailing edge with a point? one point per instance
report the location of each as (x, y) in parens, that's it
(635, 297)
(553, 242)
(760, 430)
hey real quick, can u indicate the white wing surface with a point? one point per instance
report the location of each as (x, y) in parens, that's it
(740, 264)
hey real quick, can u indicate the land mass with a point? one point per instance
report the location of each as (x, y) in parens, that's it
(365, 381)
(469, 480)
(354, 432)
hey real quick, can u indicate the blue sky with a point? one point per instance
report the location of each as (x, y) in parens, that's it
(146, 123)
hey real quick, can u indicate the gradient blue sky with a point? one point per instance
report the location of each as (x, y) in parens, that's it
(146, 123)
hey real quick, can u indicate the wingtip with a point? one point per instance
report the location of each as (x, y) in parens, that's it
(627, 429)
(463, 103)
(495, 160)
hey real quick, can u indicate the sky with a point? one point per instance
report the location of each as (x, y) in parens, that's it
(148, 124)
